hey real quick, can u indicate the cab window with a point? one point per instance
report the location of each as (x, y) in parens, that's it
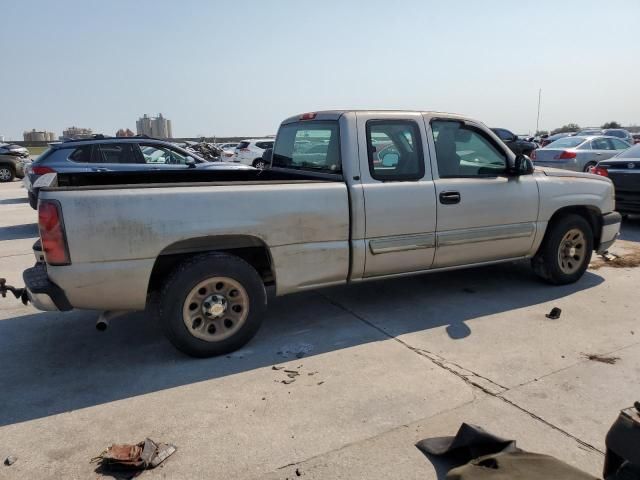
(310, 145)
(394, 150)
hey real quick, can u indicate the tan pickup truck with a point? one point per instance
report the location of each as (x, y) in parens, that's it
(351, 196)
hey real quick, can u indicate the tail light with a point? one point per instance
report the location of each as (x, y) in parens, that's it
(308, 116)
(52, 234)
(603, 172)
(533, 155)
(41, 170)
(566, 155)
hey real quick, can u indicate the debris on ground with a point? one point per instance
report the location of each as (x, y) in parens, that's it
(10, 460)
(287, 382)
(601, 358)
(554, 314)
(298, 472)
(276, 367)
(628, 260)
(141, 456)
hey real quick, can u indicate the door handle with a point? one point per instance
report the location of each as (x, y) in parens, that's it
(449, 198)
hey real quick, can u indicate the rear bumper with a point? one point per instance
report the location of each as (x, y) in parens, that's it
(42, 292)
(610, 230)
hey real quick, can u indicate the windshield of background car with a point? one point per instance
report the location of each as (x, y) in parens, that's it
(567, 142)
(308, 145)
(615, 133)
(633, 152)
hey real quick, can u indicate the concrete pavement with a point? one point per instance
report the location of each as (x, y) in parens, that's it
(385, 364)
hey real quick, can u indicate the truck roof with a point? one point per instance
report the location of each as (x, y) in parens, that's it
(336, 114)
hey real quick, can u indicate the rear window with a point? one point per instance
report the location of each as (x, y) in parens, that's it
(308, 145)
(616, 133)
(81, 154)
(633, 152)
(567, 142)
(243, 145)
(264, 145)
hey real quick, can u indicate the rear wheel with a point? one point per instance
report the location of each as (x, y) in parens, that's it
(588, 166)
(566, 250)
(6, 173)
(212, 304)
(259, 163)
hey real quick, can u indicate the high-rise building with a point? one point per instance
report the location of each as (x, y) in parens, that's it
(75, 133)
(38, 136)
(158, 127)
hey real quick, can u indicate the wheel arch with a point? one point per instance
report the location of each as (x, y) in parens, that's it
(251, 249)
(590, 213)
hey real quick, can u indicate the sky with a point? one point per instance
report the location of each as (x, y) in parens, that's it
(239, 67)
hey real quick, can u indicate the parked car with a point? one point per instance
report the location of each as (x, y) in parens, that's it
(624, 172)
(588, 132)
(578, 153)
(228, 151)
(517, 145)
(249, 152)
(12, 166)
(230, 146)
(15, 150)
(106, 154)
(449, 195)
(552, 138)
(619, 133)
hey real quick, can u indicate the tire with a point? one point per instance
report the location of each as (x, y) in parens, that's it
(7, 174)
(259, 164)
(190, 296)
(33, 201)
(566, 250)
(588, 166)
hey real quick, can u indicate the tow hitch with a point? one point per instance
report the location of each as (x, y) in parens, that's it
(20, 293)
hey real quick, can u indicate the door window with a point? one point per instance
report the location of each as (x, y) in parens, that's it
(156, 154)
(464, 151)
(618, 144)
(601, 144)
(116, 153)
(264, 145)
(504, 135)
(395, 150)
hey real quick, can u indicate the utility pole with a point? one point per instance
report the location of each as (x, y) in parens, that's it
(538, 120)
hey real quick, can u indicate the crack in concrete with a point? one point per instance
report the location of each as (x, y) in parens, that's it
(469, 379)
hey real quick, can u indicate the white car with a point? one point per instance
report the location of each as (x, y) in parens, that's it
(228, 151)
(250, 151)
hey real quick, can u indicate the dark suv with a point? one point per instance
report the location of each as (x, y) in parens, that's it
(105, 154)
(515, 144)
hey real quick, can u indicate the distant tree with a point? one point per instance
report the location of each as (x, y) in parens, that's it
(569, 127)
(612, 125)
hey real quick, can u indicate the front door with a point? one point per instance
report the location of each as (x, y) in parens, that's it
(398, 193)
(484, 214)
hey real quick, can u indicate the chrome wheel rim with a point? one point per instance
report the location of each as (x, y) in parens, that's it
(572, 251)
(5, 174)
(215, 309)
(260, 165)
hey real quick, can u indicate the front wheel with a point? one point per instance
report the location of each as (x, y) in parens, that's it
(588, 166)
(565, 252)
(259, 164)
(6, 173)
(212, 304)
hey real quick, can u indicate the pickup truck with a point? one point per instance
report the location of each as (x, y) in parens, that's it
(350, 196)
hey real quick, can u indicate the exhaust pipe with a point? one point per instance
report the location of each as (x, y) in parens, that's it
(105, 318)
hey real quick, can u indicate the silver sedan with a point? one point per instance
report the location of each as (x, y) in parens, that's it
(578, 153)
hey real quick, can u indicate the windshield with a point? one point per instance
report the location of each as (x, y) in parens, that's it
(567, 142)
(616, 133)
(633, 152)
(308, 145)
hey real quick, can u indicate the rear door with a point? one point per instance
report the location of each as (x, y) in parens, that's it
(399, 196)
(602, 148)
(484, 214)
(109, 157)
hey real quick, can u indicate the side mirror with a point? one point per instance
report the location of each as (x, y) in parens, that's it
(190, 162)
(267, 156)
(390, 159)
(522, 165)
